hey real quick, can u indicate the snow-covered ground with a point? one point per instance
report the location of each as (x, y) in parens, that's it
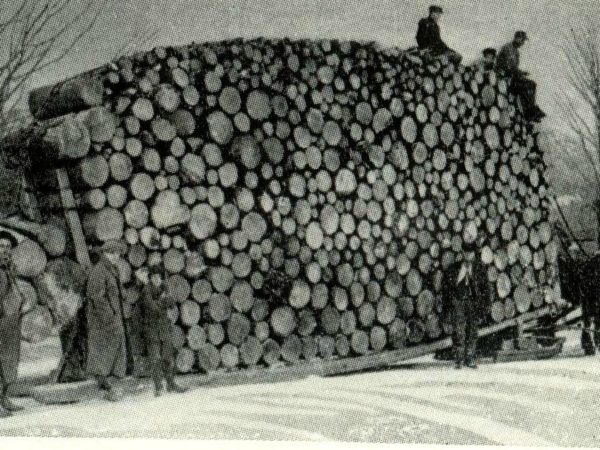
(544, 403)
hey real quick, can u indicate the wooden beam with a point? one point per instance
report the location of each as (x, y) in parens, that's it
(73, 221)
(74, 392)
(72, 95)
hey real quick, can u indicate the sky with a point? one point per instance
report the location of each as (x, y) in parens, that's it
(467, 26)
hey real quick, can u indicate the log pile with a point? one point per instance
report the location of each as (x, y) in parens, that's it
(305, 197)
(46, 293)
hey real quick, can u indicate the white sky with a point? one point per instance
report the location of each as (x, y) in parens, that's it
(467, 26)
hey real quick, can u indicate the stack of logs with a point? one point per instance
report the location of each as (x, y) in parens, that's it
(305, 197)
(48, 286)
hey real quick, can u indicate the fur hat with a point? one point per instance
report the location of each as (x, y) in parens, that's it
(9, 237)
(490, 51)
(156, 269)
(521, 35)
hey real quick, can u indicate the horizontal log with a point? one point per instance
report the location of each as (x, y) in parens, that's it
(72, 95)
(48, 143)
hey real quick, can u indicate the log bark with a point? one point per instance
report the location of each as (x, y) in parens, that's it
(48, 144)
(75, 94)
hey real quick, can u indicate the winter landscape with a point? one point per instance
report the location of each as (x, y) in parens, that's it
(312, 247)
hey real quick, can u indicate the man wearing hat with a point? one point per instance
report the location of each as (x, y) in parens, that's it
(10, 324)
(107, 345)
(466, 294)
(429, 36)
(158, 332)
(521, 86)
(488, 61)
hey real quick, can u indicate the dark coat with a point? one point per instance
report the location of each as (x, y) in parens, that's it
(508, 60)
(480, 288)
(107, 348)
(10, 327)
(589, 288)
(155, 322)
(429, 36)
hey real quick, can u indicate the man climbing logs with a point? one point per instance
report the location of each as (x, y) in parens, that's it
(429, 36)
(520, 85)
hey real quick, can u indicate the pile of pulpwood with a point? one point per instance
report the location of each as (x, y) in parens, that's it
(305, 197)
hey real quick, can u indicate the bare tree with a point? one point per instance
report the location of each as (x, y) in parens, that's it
(38, 34)
(580, 109)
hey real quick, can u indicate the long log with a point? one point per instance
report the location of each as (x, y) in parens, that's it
(72, 95)
(52, 238)
(48, 144)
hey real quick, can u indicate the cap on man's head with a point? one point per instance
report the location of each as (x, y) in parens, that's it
(5, 235)
(113, 246)
(435, 9)
(489, 51)
(521, 35)
(156, 269)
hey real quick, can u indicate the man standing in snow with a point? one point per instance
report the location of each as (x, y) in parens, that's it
(158, 332)
(466, 294)
(429, 36)
(10, 324)
(521, 86)
(107, 344)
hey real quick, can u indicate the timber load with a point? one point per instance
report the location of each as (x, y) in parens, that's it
(305, 197)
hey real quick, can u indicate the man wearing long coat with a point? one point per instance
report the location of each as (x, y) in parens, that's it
(158, 331)
(10, 324)
(107, 344)
(467, 295)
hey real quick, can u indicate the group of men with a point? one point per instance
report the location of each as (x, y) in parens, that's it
(107, 346)
(107, 350)
(505, 62)
(466, 289)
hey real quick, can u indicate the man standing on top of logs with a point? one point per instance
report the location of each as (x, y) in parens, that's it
(10, 324)
(107, 344)
(429, 36)
(466, 294)
(158, 332)
(521, 86)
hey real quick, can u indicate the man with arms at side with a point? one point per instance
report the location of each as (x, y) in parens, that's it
(107, 346)
(466, 295)
(10, 324)
(158, 332)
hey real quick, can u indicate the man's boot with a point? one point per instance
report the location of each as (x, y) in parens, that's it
(471, 364)
(103, 383)
(587, 343)
(6, 402)
(172, 386)
(112, 394)
(158, 382)
(4, 413)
